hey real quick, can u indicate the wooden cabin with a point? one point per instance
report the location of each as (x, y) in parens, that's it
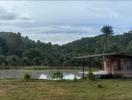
(118, 64)
(114, 63)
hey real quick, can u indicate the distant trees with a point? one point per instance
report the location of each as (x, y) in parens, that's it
(25, 61)
(3, 46)
(2, 60)
(12, 60)
(114, 48)
(32, 53)
(129, 48)
(16, 50)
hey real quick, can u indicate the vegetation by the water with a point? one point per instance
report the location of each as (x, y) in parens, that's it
(27, 77)
(118, 89)
(90, 76)
(57, 75)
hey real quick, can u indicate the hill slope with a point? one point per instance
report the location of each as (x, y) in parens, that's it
(93, 45)
(18, 50)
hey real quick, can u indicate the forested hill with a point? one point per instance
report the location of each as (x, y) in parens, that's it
(94, 45)
(14, 43)
(17, 50)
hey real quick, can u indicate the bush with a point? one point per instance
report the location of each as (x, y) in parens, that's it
(27, 77)
(117, 76)
(91, 76)
(108, 76)
(57, 75)
(75, 78)
(99, 86)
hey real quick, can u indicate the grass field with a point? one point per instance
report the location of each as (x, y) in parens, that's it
(115, 89)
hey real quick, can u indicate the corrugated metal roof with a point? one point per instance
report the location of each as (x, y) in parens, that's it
(99, 55)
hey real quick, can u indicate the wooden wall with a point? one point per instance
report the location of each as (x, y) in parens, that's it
(118, 65)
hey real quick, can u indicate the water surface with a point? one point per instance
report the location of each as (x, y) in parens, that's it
(68, 74)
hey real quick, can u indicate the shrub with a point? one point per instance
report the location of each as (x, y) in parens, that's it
(27, 77)
(117, 76)
(91, 76)
(99, 86)
(57, 75)
(108, 76)
(75, 78)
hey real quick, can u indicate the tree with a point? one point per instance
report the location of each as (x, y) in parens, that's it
(129, 48)
(2, 59)
(3, 46)
(113, 48)
(107, 30)
(25, 61)
(32, 53)
(36, 61)
(12, 60)
(27, 77)
(57, 75)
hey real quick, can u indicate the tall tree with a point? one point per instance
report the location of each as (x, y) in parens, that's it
(107, 31)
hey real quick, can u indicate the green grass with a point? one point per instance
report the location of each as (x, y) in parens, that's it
(115, 89)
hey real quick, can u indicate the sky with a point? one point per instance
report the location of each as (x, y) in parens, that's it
(60, 22)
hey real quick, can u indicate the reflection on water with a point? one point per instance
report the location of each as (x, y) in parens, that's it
(43, 76)
(40, 74)
(70, 77)
(65, 76)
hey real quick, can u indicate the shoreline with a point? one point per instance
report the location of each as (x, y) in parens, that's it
(42, 68)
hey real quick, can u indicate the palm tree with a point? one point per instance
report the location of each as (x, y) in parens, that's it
(108, 31)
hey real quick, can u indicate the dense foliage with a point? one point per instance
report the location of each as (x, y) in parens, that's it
(57, 75)
(16, 50)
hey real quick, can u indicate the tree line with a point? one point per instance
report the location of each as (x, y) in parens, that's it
(16, 50)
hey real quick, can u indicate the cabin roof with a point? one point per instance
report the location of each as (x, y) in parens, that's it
(105, 54)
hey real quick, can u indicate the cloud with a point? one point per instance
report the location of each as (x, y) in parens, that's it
(57, 38)
(61, 21)
(10, 15)
(24, 16)
(71, 29)
(59, 34)
(5, 15)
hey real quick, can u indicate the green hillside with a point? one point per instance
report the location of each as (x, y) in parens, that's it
(17, 50)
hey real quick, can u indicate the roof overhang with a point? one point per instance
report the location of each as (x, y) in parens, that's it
(101, 55)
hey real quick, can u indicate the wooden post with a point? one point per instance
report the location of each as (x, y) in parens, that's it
(90, 64)
(83, 64)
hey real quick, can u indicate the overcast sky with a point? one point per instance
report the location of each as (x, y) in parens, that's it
(64, 21)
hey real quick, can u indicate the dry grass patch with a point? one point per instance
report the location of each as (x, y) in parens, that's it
(65, 90)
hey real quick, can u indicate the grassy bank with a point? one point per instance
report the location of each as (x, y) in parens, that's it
(116, 89)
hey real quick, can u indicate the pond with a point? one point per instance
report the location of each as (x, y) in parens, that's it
(68, 74)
